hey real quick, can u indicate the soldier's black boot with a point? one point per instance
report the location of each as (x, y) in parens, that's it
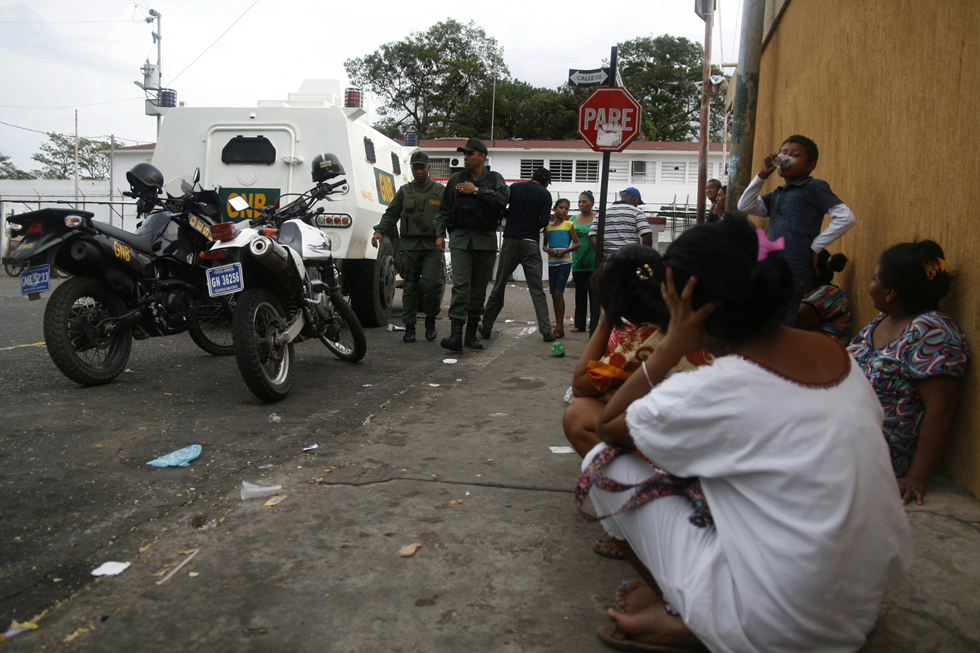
(409, 333)
(485, 331)
(430, 327)
(470, 340)
(454, 342)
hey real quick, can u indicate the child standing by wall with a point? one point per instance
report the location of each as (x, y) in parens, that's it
(560, 241)
(796, 211)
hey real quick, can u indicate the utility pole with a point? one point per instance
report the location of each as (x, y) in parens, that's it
(112, 159)
(76, 156)
(158, 37)
(707, 12)
(746, 98)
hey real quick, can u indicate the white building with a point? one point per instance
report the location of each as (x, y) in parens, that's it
(665, 173)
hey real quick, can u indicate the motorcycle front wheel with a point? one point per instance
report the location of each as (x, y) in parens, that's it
(213, 331)
(263, 359)
(76, 341)
(346, 337)
(13, 268)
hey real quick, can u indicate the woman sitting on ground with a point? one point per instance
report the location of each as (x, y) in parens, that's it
(826, 308)
(915, 357)
(784, 434)
(629, 291)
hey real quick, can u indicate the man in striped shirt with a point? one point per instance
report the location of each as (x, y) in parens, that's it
(625, 224)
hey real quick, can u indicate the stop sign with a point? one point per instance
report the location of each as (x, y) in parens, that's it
(609, 119)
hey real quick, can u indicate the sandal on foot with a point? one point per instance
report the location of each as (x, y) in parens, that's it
(615, 638)
(607, 548)
(558, 333)
(576, 330)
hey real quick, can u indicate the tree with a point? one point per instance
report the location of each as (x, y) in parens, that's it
(660, 72)
(10, 171)
(429, 79)
(58, 158)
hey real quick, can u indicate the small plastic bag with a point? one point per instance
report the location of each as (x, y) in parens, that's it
(179, 458)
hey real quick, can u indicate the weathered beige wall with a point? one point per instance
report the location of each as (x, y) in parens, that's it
(890, 92)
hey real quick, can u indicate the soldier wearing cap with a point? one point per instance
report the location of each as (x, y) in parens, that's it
(472, 207)
(421, 262)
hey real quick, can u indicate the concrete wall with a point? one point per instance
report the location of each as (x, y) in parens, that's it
(890, 92)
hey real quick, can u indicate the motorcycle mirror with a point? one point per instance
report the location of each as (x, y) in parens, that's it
(238, 203)
(197, 175)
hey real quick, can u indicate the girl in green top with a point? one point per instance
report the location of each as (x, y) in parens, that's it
(583, 265)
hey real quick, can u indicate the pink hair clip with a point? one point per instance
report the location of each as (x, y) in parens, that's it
(766, 246)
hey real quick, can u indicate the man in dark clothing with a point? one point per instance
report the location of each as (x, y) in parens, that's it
(529, 212)
(415, 206)
(471, 206)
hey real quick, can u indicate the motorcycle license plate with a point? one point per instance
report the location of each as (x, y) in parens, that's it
(35, 280)
(225, 280)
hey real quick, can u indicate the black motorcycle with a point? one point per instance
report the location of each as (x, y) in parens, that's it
(125, 285)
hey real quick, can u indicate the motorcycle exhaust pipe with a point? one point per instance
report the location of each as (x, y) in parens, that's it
(84, 252)
(272, 255)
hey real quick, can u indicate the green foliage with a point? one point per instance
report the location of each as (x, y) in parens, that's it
(660, 73)
(9, 171)
(451, 80)
(58, 158)
(428, 79)
(524, 111)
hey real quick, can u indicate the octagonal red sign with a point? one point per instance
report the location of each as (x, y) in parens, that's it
(609, 119)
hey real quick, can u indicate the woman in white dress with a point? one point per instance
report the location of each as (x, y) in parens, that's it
(807, 531)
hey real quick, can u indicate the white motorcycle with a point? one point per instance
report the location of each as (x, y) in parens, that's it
(290, 288)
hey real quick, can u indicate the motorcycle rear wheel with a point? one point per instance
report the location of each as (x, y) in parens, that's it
(213, 330)
(79, 348)
(265, 363)
(350, 343)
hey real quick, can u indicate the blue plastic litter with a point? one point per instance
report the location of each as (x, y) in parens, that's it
(179, 458)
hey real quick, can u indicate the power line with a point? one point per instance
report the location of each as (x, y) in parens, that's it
(71, 106)
(91, 138)
(172, 80)
(62, 22)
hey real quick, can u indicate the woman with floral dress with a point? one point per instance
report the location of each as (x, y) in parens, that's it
(915, 357)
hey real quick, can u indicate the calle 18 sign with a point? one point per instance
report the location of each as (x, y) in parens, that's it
(609, 119)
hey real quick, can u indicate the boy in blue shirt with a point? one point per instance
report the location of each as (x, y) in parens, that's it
(796, 211)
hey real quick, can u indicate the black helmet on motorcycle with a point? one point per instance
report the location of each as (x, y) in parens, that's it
(326, 166)
(144, 177)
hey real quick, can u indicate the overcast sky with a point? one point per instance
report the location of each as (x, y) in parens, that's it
(55, 58)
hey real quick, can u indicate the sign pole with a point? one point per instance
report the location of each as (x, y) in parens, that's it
(604, 180)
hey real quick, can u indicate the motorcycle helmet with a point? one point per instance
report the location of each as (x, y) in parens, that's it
(144, 177)
(326, 166)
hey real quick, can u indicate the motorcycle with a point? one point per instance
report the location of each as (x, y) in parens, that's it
(125, 285)
(290, 288)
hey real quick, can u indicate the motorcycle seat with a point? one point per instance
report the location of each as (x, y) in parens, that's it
(141, 243)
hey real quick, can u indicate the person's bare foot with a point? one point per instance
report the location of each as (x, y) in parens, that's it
(633, 596)
(653, 625)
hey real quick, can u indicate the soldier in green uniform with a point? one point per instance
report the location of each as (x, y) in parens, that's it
(472, 206)
(422, 266)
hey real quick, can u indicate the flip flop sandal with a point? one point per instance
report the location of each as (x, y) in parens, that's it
(558, 333)
(577, 330)
(606, 551)
(615, 638)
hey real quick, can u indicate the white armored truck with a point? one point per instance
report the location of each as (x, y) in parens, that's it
(263, 153)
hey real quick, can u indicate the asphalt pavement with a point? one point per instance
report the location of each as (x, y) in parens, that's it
(410, 450)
